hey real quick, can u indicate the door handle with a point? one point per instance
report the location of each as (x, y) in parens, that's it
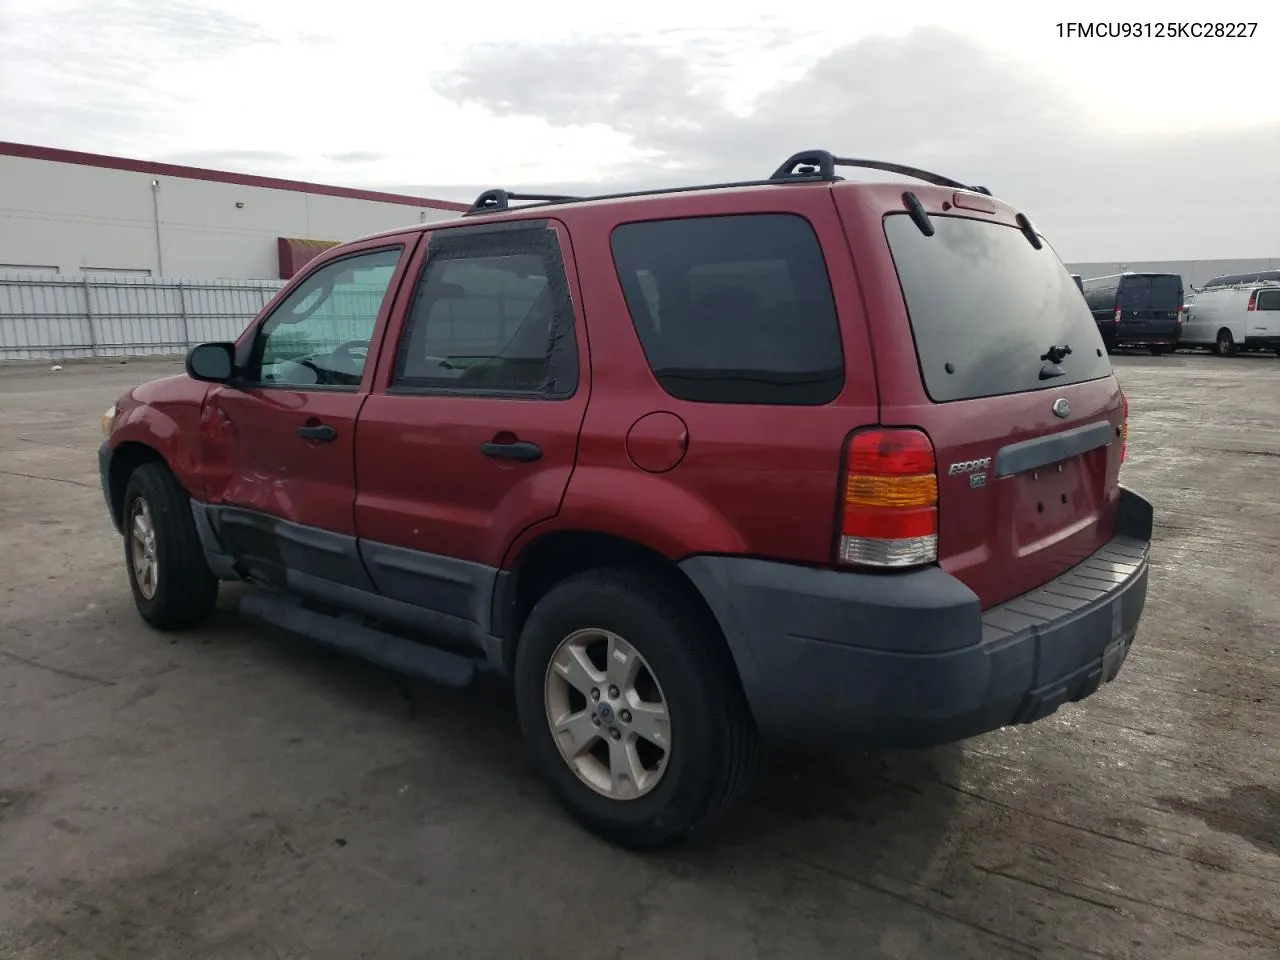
(321, 431)
(520, 450)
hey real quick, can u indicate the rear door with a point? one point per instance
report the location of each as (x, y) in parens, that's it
(1264, 319)
(1148, 305)
(472, 431)
(971, 346)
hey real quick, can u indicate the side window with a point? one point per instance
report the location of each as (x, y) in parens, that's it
(491, 314)
(319, 335)
(734, 309)
(1101, 297)
(1269, 299)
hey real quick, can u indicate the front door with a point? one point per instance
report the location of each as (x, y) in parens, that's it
(281, 440)
(470, 434)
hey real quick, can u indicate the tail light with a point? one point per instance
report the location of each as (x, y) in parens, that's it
(1119, 312)
(1253, 301)
(1182, 314)
(1124, 427)
(889, 516)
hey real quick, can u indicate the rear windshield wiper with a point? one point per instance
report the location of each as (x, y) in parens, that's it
(1053, 358)
(1056, 354)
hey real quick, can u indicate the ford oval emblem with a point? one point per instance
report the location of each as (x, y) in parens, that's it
(1061, 408)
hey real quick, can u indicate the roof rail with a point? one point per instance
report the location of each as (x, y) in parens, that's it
(823, 163)
(809, 166)
(493, 201)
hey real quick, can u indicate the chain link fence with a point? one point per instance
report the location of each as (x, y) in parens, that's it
(57, 317)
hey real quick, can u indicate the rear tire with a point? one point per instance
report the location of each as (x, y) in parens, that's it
(1158, 351)
(710, 737)
(172, 586)
(1225, 345)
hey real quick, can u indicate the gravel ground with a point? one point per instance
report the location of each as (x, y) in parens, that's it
(237, 793)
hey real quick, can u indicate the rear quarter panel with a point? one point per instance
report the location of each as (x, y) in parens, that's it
(756, 479)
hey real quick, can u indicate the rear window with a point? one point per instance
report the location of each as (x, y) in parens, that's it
(734, 309)
(1268, 300)
(985, 306)
(1151, 293)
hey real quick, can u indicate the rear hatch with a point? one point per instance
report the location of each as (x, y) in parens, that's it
(983, 342)
(1147, 306)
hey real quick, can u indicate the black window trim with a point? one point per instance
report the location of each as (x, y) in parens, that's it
(254, 354)
(625, 283)
(480, 233)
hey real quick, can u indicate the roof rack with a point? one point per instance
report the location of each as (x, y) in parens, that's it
(493, 201)
(1242, 279)
(810, 166)
(823, 164)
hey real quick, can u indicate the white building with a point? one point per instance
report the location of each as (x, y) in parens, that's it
(63, 212)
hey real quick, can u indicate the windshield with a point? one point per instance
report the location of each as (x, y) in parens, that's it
(985, 307)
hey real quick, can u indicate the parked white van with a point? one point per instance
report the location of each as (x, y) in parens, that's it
(1229, 319)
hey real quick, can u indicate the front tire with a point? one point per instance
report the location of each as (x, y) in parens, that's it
(172, 586)
(631, 708)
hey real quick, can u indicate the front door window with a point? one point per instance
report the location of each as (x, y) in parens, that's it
(319, 335)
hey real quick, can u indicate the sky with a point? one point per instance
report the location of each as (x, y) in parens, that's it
(1128, 149)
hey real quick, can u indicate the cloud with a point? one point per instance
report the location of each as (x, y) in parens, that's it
(933, 99)
(355, 156)
(230, 159)
(99, 71)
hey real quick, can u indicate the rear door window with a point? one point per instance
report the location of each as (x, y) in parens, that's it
(491, 315)
(734, 309)
(1158, 293)
(1268, 300)
(985, 306)
(1135, 293)
(1166, 293)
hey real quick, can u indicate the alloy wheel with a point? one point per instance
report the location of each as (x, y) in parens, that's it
(607, 714)
(143, 556)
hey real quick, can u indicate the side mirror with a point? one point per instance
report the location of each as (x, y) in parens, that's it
(212, 362)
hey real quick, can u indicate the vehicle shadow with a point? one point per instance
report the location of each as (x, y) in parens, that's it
(865, 843)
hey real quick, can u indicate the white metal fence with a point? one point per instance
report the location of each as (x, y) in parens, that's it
(53, 317)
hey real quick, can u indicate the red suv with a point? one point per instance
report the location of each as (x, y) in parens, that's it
(798, 459)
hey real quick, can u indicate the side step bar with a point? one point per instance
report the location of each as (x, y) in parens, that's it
(349, 634)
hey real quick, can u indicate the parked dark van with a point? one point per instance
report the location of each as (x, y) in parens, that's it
(1137, 310)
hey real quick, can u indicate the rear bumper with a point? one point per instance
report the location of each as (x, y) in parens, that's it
(1137, 339)
(1261, 342)
(905, 660)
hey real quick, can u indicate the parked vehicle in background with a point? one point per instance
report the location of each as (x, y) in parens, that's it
(840, 468)
(1078, 281)
(1137, 310)
(1232, 319)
